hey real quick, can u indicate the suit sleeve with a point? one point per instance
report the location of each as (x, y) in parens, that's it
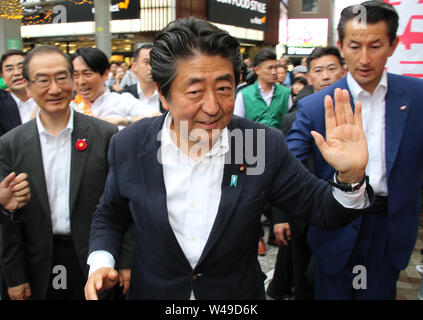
(301, 195)
(12, 235)
(300, 141)
(112, 217)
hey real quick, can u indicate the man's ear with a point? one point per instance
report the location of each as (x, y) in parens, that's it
(106, 75)
(339, 45)
(162, 98)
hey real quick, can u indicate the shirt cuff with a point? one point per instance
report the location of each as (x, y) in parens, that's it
(353, 200)
(100, 259)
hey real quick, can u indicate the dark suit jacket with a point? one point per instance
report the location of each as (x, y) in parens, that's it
(404, 164)
(132, 89)
(9, 113)
(228, 267)
(28, 246)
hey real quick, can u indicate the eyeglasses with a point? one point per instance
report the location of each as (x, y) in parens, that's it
(44, 81)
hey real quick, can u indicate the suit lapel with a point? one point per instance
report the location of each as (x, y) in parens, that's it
(37, 175)
(228, 199)
(397, 106)
(78, 158)
(155, 190)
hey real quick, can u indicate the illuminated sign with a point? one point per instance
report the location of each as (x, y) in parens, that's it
(249, 14)
(307, 32)
(83, 10)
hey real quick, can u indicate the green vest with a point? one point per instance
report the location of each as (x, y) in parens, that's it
(257, 110)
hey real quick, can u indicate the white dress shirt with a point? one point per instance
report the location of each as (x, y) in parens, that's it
(113, 104)
(25, 108)
(56, 154)
(239, 108)
(153, 101)
(373, 113)
(193, 192)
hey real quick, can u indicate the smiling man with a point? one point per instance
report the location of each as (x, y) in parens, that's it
(381, 241)
(196, 209)
(17, 106)
(65, 156)
(91, 70)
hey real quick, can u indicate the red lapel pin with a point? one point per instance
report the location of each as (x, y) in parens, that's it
(242, 167)
(81, 144)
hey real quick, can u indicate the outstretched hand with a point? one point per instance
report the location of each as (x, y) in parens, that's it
(345, 147)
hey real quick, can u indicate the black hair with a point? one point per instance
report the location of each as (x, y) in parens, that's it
(184, 38)
(7, 54)
(137, 51)
(300, 80)
(45, 49)
(375, 12)
(263, 55)
(319, 52)
(94, 58)
(244, 71)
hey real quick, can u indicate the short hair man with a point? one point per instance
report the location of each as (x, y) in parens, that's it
(145, 89)
(324, 66)
(380, 242)
(168, 175)
(16, 105)
(65, 156)
(91, 70)
(265, 101)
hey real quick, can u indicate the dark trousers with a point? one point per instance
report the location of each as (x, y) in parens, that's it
(64, 256)
(291, 267)
(368, 265)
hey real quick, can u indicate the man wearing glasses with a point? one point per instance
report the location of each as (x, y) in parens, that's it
(65, 155)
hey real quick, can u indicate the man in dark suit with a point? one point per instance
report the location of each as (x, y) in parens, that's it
(194, 196)
(16, 106)
(145, 89)
(364, 259)
(325, 66)
(65, 156)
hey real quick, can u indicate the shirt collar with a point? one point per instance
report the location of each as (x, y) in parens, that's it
(100, 100)
(42, 129)
(220, 147)
(263, 93)
(356, 89)
(141, 93)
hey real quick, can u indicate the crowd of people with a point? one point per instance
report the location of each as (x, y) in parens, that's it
(141, 184)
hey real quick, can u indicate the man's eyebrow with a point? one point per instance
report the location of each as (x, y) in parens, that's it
(227, 77)
(41, 74)
(192, 81)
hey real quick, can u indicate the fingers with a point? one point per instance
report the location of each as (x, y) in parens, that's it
(340, 107)
(349, 115)
(358, 119)
(90, 289)
(330, 120)
(319, 140)
(8, 180)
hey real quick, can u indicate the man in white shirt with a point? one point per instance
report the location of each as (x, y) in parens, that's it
(145, 88)
(193, 195)
(91, 70)
(65, 156)
(380, 243)
(11, 70)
